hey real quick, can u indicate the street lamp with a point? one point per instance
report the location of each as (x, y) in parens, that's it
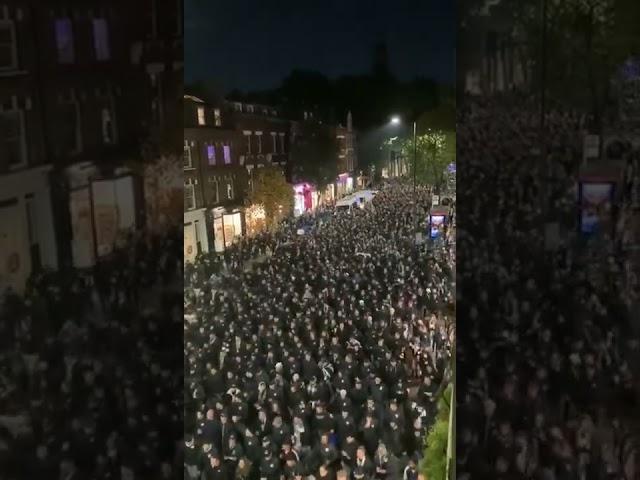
(395, 120)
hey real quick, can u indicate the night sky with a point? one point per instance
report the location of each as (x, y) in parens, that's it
(254, 44)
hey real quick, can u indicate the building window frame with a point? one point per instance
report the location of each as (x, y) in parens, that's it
(108, 126)
(217, 117)
(211, 154)
(230, 190)
(282, 149)
(226, 153)
(202, 119)
(247, 134)
(190, 187)
(66, 52)
(12, 45)
(275, 143)
(259, 135)
(187, 159)
(101, 39)
(20, 139)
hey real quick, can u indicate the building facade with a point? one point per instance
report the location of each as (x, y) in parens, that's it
(215, 179)
(72, 123)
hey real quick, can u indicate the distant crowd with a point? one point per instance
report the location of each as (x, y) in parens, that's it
(553, 391)
(319, 350)
(88, 377)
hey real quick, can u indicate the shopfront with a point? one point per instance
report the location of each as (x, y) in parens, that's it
(227, 228)
(303, 198)
(344, 185)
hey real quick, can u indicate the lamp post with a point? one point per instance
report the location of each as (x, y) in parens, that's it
(395, 120)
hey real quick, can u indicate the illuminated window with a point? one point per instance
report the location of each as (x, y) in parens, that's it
(8, 57)
(201, 119)
(101, 39)
(211, 154)
(227, 154)
(218, 117)
(230, 191)
(64, 40)
(250, 108)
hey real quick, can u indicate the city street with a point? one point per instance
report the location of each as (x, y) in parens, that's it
(347, 327)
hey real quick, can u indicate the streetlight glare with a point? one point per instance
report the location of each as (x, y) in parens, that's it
(395, 120)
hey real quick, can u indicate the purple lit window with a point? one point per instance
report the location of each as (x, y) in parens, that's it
(211, 154)
(64, 40)
(227, 154)
(101, 39)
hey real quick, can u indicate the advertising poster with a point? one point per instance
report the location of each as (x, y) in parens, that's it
(218, 234)
(190, 249)
(595, 207)
(82, 245)
(436, 226)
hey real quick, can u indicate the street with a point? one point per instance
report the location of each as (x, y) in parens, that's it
(346, 327)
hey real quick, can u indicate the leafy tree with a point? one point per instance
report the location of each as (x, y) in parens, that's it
(434, 463)
(435, 151)
(314, 155)
(587, 40)
(271, 190)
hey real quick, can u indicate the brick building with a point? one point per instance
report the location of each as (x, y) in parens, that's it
(224, 143)
(71, 121)
(215, 181)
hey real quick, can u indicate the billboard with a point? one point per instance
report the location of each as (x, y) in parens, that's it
(596, 199)
(436, 226)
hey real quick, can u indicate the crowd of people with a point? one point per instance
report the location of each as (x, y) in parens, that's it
(318, 350)
(90, 376)
(548, 351)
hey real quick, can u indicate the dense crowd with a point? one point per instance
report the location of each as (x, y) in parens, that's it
(90, 378)
(548, 337)
(318, 350)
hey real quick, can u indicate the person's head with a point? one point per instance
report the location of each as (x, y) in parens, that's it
(382, 450)
(210, 414)
(214, 460)
(324, 439)
(361, 453)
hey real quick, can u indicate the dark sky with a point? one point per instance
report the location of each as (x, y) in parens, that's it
(254, 44)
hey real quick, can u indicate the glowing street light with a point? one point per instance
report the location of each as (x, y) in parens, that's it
(395, 120)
